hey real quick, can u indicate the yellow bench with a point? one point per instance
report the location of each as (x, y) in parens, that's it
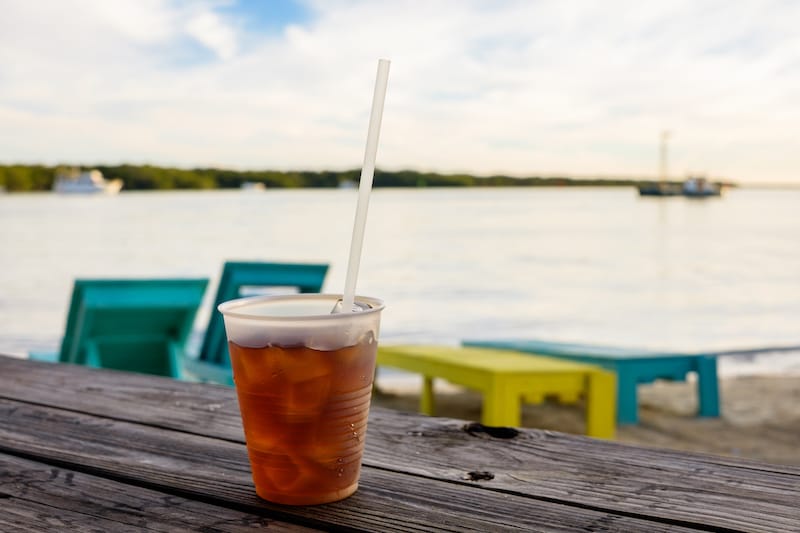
(507, 378)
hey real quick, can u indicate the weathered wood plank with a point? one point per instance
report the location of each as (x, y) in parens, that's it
(705, 489)
(47, 497)
(724, 492)
(204, 409)
(211, 469)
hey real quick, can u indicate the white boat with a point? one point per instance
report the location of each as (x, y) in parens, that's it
(90, 182)
(252, 186)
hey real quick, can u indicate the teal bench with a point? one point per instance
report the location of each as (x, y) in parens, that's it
(632, 366)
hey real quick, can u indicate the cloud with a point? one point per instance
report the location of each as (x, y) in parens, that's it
(144, 22)
(210, 30)
(514, 87)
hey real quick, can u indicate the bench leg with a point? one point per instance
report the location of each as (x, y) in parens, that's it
(175, 366)
(707, 387)
(627, 402)
(92, 356)
(601, 405)
(427, 404)
(501, 407)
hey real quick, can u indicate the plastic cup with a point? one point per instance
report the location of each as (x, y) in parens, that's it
(304, 381)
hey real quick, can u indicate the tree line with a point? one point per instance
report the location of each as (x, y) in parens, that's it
(148, 177)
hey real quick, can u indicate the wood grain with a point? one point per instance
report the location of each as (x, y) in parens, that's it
(153, 400)
(669, 486)
(48, 497)
(216, 471)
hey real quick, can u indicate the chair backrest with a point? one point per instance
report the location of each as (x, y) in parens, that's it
(238, 275)
(130, 324)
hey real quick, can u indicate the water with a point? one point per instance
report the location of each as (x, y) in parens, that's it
(585, 265)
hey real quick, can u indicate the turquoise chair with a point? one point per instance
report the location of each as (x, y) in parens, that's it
(138, 325)
(241, 279)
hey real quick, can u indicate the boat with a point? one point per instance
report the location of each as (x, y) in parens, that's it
(692, 187)
(660, 189)
(700, 187)
(252, 186)
(88, 182)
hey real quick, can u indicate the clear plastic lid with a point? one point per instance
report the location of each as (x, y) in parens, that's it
(300, 320)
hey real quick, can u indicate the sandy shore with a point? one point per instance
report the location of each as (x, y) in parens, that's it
(760, 416)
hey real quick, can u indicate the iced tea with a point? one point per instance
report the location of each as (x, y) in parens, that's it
(304, 413)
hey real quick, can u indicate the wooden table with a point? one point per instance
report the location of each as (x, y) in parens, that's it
(84, 449)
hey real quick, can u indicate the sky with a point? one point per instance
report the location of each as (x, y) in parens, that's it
(485, 87)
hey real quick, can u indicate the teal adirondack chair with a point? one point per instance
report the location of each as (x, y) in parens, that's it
(138, 325)
(213, 362)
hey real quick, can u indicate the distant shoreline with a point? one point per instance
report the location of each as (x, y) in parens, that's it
(148, 177)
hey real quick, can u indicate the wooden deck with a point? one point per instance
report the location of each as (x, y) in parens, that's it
(84, 449)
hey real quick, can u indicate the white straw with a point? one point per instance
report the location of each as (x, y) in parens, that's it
(365, 184)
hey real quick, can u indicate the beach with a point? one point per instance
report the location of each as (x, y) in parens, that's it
(760, 415)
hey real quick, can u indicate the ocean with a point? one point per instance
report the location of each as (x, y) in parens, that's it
(594, 265)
